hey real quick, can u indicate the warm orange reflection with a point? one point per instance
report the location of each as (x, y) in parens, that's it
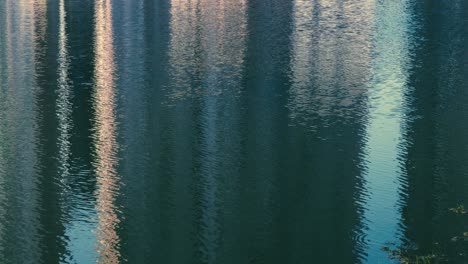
(105, 135)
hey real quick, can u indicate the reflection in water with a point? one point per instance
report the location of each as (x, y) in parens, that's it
(77, 223)
(217, 41)
(262, 130)
(230, 131)
(19, 212)
(105, 135)
(129, 21)
(330, 61)
(63, 112)
(384, 176)
(182, 56)
(183, 45)
(302, 59)
(4, 148)
(329, 68)
(436, 164)
(207, 37)
(40, 18)
(63, 100)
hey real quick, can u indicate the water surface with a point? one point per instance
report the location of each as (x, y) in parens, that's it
(232, 131)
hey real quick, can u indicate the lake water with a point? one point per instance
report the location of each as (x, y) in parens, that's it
(232, 131)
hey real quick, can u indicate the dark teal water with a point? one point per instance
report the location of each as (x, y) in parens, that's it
(232, 131)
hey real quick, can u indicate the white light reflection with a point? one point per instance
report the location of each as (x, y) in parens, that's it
(384, 132)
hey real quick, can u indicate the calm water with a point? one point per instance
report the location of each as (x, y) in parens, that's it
(232, 131)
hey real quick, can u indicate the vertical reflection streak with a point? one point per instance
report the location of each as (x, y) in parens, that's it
(329, 72)
(384, 174)
(4, 65)
(63, 100)
(18, 130)
(218, 94)
(105, 135)
(40, 7)
(302, 59)
(182, 39)
(330, 59)
(206, 55)
(130, 21)
(182, 63)
(226, 48)
(64, 112)
(209, 180)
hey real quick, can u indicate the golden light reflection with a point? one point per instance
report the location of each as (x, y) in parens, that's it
(105, 135)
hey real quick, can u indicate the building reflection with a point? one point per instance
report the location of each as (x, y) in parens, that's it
(19, 198)
(206, 57)
(223, 43)
(262, 130)
(329, 70)
(130, 19)
(75, 236)
(63, 100)
(106, 146)
(385, 178)
(40, 18)
(252, 130)
(5, 31)
(330, 61)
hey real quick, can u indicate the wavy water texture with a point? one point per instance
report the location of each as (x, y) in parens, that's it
(232, 131)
